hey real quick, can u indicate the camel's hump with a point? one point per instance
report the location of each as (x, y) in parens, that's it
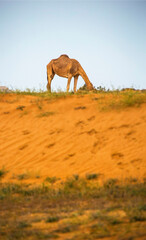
(64, 55)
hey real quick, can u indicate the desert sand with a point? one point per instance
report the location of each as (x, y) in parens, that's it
(70, 135)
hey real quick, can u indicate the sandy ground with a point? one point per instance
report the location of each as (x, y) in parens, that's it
(62, 137)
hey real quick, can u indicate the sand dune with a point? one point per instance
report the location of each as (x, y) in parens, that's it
(66, 136)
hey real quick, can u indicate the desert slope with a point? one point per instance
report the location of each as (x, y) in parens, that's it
(71, 135)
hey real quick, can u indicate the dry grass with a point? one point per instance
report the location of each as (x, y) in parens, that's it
(117, 100)
(75, 206)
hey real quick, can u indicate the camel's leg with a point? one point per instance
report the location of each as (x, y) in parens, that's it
(75, 82)
(68, 83)
(48, 87)
(50, 77)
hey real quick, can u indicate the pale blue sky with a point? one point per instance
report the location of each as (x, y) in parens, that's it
(108, 38)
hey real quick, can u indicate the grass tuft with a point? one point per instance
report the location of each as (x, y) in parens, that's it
(2, 172)
(51, 179)
(136, 215)
(23, 224)
(46, 114)
(68, 226)
(20, 107)
(91, 176)
(52, 219)
(23, 176)
(110, 183)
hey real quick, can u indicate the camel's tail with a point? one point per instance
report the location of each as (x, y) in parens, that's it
(86, 79)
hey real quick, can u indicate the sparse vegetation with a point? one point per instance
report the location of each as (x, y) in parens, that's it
(20, 107)
(80, 108)
(121, 99)
(23, 224)
(46, 114)
(117, 99)
(77, 204)
(110, 183)
(39, 103)
(136, 215)
(76, 176)
(26, 175)
(2, 172)
(68, 226)
(42, 93)
(51, 179)
(52, 219)
(23, 176)
(91, 176)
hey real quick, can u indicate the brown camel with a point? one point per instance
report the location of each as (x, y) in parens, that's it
(68, 68)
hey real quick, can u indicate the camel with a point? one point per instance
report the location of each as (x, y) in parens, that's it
(68, 68)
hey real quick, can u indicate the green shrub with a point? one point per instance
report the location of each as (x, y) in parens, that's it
(51, 219)
(51, 179)
(91, 176)
(20, 107)
(23, 176)
(136, 216)
(2, 172)
(23, 224)
(110, 183)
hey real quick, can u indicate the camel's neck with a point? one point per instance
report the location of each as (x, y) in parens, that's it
(86, 79)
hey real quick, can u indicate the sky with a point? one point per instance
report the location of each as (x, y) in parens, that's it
(108, 38)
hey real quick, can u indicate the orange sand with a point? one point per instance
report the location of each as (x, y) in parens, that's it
(75, 138)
